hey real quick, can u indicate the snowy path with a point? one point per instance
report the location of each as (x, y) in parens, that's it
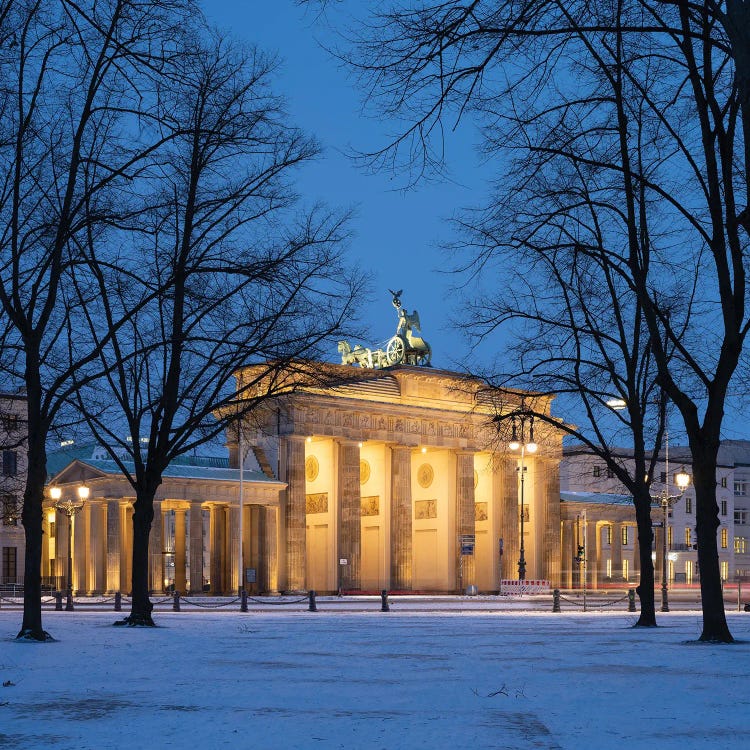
(372, 680)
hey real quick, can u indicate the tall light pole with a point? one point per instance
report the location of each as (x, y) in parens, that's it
(69, 508)
(518, 442)
(682, 479)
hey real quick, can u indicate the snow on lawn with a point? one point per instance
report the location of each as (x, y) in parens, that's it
(374, 680)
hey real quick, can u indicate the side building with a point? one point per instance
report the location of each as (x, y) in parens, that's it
(591, 494)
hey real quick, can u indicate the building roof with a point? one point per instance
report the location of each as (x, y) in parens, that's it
(602, 498)
(185, 471)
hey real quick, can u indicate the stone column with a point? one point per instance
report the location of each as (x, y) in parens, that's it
(466, 571)
(401, 518)
(216, 548)
(80, 553)
(510, 523)
(126, 546)
(233, 577)
(180, 580)
(155, 549)
(113, 546)
(269, 548)
(349, 506)
(296, 518)
(548, 480)
(96, 544)
(616, 551)
(568, 546)
(593, 554)
(61, 550)
(254, 548)
(196, 549)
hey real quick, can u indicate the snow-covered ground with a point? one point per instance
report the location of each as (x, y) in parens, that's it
(343, 679)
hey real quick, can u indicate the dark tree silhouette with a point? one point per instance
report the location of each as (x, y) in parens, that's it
(75, 82)
(223, 270)
(652, 96)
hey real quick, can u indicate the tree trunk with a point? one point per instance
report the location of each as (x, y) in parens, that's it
(645, 588)
(143, 515)
(31, 516)
(715, 628)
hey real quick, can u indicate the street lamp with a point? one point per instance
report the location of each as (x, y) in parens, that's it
(69, 508)
(518, 442)
(682, 480)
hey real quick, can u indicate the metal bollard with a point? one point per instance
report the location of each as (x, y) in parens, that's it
(313, 606)
(176, 602)
(384, 606)
(556, 600)
(243, 601)
(58, 601)
(631, 600)
(118, 601)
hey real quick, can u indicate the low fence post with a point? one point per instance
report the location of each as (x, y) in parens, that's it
(384, 606)
(58, 601)
(176, 602)
(631, 600)
(243, 601)
(313, 606)
(556, 600)
(118, 601)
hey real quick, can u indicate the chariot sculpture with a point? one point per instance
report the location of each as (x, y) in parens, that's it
(406, 347)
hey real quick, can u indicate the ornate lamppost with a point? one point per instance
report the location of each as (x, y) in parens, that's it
(682, 479)
(69, 508)
(518, 442)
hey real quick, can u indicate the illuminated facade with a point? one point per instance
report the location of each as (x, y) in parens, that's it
(395, 480)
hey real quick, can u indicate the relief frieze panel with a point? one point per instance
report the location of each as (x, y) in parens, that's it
(371, 425)
(316, 502)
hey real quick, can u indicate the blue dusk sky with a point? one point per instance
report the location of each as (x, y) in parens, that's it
(396, 232)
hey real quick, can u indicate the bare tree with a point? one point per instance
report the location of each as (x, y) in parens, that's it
(582, 82)
(75, 79)
(223, 270)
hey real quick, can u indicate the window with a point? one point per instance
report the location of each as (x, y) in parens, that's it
(9, 509)
(688, 536)
(609, 568)
(610, 473)
(724, 570)
(597, 471)
(740, 488)
(669, 536)
(663, 477)
(625, 571)
(740, 545)
(724, 538)
(740, 517)
(723, 507)
(10, 464)
(609, 535)
(624, 533)
(9, 564)
(9, 422)
(724, 482)
(688, 505)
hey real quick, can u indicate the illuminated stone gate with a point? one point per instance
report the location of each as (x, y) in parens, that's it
(385, 474)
